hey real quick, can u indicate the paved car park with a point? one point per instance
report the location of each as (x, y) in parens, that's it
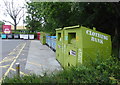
(13, 51)
(31, 54)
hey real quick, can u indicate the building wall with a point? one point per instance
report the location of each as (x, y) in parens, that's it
(18, 27)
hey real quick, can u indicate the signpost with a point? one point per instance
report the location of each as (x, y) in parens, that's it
(6, 29)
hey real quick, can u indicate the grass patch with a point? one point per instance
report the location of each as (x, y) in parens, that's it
(100, 72)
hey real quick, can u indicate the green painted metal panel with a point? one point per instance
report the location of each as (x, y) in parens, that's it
(71, 41)
(82, 45)
(42, 38)
(59, 46)
(96, 44)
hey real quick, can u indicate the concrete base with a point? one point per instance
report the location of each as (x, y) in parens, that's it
(41, 59)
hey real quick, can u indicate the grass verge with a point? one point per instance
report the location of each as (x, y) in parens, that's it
(100, 72)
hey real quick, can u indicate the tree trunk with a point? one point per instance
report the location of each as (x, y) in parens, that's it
(116, 43)
(119, 51)
(117, 33)
(15, 25)
(119, 37)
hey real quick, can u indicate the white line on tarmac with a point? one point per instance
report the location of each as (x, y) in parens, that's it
(12, 64)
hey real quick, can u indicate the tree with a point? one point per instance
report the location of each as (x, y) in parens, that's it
(48, 16)
(1, 23)
(14, 11)
(33, 17)
(104, 16)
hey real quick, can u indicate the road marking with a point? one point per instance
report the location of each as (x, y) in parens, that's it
(5, 66)
(12, 64)
(11, 51)
(34, 63)
(6, 60)
(20, 72)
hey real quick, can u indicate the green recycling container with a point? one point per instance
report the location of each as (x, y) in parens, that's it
(83, 45)
(59, 45)
(43, 38)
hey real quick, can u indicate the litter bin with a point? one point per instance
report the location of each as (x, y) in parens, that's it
(60, 46)
(31, 36)
(25, 36)
(43, 38)
(49, 40)
(16, 36)
(38, 35)
(84, 45)
(21, 36)
(9, 36)
(53, 42)
(3, 36)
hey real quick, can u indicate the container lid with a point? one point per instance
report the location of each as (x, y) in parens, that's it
(59, 29)
(72, 27)
(53, 37)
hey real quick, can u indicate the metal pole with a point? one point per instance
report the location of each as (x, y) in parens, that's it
(18, 69)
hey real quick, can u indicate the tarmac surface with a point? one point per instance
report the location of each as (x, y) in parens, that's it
(34, 58)
(13, 51)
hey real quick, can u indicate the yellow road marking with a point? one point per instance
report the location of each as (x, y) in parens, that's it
(4, 66)
(6, 60)
(11, 51)
(34, 63)
(12, 64)
(20, 72)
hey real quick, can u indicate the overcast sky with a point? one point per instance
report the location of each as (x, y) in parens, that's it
(4, 16)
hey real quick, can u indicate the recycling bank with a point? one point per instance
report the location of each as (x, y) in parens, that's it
(80, 45)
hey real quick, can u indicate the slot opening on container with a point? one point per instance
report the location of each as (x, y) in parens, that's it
(59, 36)
(71, 38)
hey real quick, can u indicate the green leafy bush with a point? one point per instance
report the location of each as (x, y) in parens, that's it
(99, 72)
